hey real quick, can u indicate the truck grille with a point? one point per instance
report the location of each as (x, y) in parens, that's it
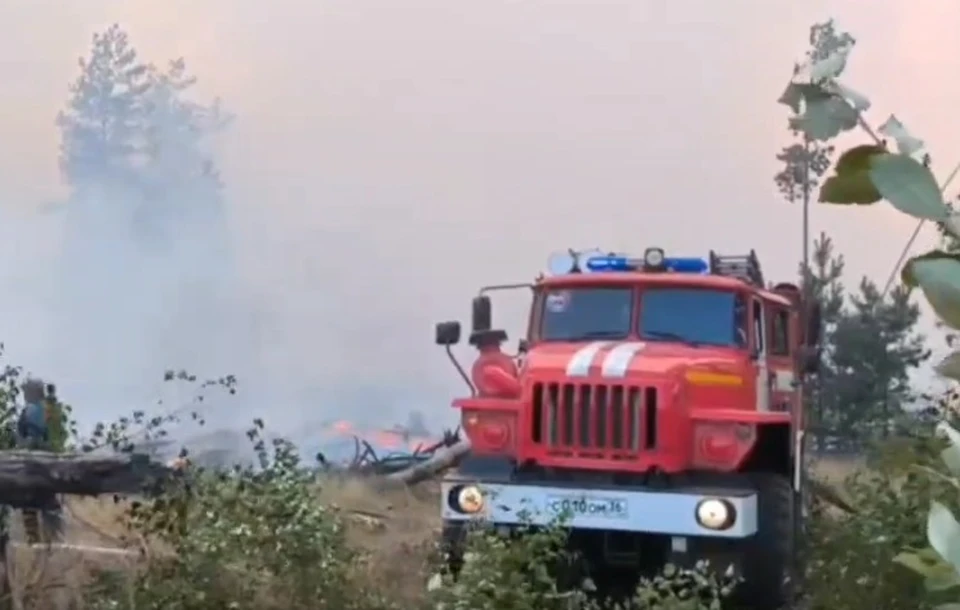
(594, 417)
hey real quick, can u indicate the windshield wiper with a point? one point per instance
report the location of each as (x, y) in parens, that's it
(669, 336)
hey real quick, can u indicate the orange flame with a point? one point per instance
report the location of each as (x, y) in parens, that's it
(343, 428)
(393, 440)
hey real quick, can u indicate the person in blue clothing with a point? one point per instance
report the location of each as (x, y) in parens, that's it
(33, 432)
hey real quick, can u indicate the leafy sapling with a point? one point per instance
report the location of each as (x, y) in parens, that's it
(865, 174)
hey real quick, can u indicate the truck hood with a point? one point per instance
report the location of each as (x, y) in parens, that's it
(618, 359)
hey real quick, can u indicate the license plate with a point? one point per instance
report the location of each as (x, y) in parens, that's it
(588, 506)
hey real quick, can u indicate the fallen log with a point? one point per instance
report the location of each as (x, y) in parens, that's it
(27, 474)
(443, 458)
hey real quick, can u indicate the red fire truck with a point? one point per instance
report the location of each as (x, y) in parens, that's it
(655, 403)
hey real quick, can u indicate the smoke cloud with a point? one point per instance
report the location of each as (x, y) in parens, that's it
(387, 159)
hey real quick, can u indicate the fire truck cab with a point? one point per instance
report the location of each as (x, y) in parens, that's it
(655, 405)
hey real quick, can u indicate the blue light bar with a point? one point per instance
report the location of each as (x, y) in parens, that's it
(612, 263)
(686, 265)
(623, 263)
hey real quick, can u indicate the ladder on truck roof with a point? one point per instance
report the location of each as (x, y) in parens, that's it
(743, 267)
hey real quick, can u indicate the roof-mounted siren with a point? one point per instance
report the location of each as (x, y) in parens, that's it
(572, 261)
(746, 268)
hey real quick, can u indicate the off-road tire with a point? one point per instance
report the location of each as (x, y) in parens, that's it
(770, 564)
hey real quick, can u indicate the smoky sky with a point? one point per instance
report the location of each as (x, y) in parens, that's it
(389, 158)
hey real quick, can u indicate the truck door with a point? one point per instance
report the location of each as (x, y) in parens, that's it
(780, 359)
(760, 351)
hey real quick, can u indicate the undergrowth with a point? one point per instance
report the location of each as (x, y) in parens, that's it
(257, 537)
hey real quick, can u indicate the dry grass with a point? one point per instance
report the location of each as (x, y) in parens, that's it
(56, 577)
(397, 528)
(836, 469)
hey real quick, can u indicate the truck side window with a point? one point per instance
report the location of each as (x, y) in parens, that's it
(780, 332)
(740, 321)
(758, 326)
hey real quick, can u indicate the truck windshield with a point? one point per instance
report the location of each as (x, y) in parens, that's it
(693, 315)
(578, 314)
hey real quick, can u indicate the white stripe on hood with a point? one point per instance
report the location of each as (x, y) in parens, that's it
(582, 360)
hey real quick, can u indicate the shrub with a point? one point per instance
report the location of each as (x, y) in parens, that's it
(244, 539)
(850, 563)
(532, 569)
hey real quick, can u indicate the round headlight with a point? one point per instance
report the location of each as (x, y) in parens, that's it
(716, 514)
(653, 257)
(470, 499)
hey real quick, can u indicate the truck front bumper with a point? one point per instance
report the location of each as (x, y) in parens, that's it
(671, 512)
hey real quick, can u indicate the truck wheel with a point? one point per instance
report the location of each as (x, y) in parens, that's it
(769, 561)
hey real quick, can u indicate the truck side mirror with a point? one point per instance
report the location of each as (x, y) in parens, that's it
(481, 314)
(448, 333)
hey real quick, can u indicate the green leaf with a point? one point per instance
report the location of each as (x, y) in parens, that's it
(797, 94)
(950, 455)
(907, 273)
(830, 66)
(937, 273)
(824, 119)
(857, 159)
(854, 188)
(943, 534)
(950, 367)
(938, 575)
(852, 184)
(908, 186)
(952, 224)
(858, 100)
(907, 144)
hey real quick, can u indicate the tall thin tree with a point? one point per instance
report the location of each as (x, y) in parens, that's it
(805, 161)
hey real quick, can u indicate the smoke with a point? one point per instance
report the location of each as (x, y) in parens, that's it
(388, 159)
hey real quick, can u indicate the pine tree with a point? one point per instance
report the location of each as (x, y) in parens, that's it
(102, 127)
(145, 214)
(181, 181)
(875, 346)
(825, 285)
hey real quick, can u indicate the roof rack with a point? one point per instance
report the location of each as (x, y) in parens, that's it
(744, 267)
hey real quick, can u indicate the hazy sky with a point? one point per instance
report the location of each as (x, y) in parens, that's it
(390, 157)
